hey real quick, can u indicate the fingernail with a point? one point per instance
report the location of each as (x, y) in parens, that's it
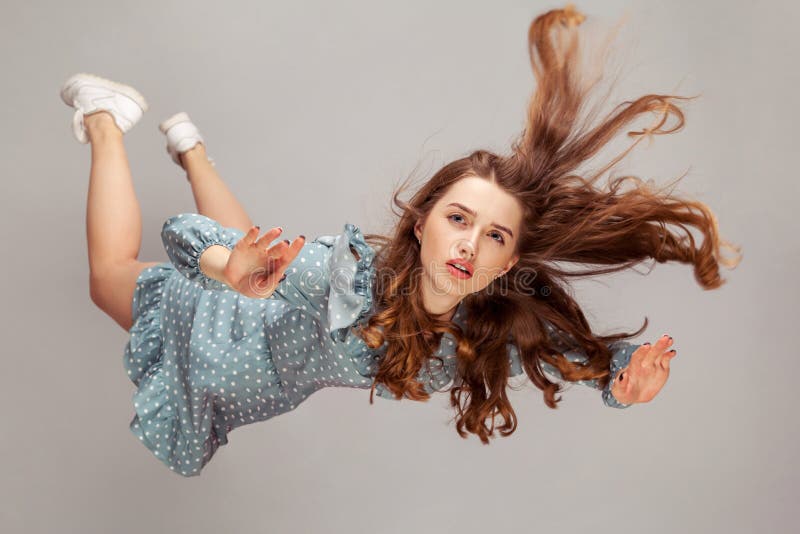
(303, 236)
(646, 343)
(258, 227)
(282, 278)
(286, 241)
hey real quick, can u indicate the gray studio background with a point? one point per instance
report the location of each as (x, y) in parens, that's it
(331, 104)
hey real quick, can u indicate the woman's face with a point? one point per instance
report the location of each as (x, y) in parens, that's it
(477, 222)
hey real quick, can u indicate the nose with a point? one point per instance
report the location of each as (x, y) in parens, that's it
(466, 249)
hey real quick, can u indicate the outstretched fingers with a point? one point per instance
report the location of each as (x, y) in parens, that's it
(265, 239)
(284, 253)
(648, 370)
(666, 358)
(663, 359)
(279, 255)
(657, 352)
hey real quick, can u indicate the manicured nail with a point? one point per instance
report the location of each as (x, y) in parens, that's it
(286, 241)
(304, 237)
(646, 343)
(282, 278)
(258, 228)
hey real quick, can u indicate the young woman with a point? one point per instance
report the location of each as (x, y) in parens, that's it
(465, 293)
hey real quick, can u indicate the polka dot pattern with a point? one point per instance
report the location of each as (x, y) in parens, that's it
(206, 359)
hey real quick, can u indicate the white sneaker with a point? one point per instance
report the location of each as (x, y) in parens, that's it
(89, 93)
(182, 135)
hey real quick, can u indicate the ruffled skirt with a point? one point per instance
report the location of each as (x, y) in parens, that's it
(183, 442)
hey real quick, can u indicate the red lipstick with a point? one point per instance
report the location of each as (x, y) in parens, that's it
(462, 263)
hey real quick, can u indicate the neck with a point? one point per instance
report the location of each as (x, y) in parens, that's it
(442, 310)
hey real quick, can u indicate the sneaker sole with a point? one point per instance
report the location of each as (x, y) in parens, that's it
(83, 77)
(172, 121)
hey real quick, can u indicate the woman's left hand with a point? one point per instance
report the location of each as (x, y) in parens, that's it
(646, 373)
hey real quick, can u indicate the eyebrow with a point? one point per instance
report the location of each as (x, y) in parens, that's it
(471, 212)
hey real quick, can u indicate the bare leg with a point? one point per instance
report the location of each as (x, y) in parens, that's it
(212, 196)
(113, 222)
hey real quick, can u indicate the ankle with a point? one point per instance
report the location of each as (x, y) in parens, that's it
(194, 154)
(100, 123)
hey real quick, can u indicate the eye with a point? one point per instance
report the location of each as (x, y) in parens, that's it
(456, 215)
(501, 240)
(498, 234)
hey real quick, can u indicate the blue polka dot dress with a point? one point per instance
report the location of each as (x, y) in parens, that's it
(206, 359)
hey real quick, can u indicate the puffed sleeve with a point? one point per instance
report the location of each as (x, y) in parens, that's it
(187, 235)
(621, 356)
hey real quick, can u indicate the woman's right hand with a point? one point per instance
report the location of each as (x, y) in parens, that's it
(254, 269)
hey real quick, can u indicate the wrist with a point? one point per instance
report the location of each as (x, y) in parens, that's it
(213, 261)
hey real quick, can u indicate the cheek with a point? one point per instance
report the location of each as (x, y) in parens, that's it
(425, 256)
(488, 271)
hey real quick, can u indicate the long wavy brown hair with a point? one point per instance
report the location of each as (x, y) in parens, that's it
(566, 218)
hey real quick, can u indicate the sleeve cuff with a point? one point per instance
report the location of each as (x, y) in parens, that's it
(620, 360)
(187, 235)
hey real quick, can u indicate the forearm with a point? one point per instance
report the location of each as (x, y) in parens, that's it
(213, 261)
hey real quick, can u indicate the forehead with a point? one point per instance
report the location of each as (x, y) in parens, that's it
(486, 198)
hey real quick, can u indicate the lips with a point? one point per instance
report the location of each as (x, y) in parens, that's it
(462, 263)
